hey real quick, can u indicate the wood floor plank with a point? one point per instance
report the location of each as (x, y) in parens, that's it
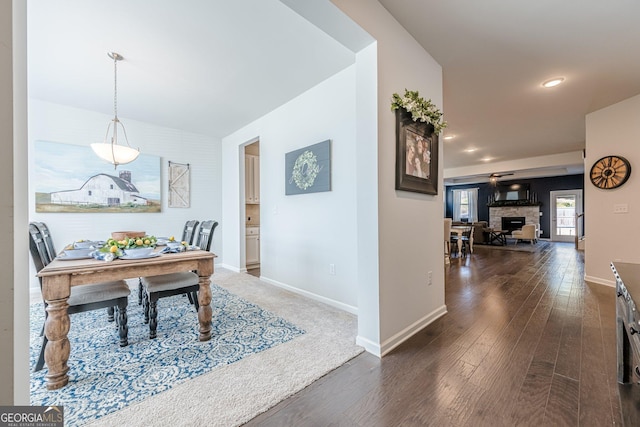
(562, 407)
(526, 342)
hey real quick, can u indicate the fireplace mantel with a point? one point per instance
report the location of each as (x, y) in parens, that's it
(505, 203)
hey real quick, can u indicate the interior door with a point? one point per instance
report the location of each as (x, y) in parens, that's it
(565, 205)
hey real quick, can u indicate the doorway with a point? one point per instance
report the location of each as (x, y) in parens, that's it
(252, 207)
(566, 205)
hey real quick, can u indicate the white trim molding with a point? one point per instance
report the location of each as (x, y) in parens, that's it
(333, 303)
(599, 281)
(411, 330)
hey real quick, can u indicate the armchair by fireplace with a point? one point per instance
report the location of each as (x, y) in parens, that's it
(528, 232)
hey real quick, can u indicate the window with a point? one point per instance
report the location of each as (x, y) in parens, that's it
(465, 205)
(111, 187)
(89, 192)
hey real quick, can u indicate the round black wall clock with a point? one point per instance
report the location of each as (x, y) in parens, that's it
(610, 172)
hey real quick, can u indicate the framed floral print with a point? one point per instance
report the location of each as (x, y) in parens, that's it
(416, 155)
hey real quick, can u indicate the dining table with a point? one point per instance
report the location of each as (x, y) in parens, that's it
(60, 275)
(460, 230)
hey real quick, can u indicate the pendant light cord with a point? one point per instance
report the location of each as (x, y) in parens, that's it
(115, 86)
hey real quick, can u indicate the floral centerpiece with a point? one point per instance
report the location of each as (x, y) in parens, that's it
(117, 247)
(421, 110)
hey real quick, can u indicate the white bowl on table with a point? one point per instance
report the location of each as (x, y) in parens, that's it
(173, 245)
(138, 252)
(85, 244)
(77, 253)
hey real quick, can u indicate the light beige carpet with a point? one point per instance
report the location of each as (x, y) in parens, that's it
(233, 394)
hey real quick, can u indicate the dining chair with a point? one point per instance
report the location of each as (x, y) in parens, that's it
(447, 237)
(189, 231)
(184, 282)
(82, 298)
(467, 240)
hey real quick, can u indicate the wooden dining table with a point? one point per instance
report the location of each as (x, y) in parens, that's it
(60, 275)
(460, 230)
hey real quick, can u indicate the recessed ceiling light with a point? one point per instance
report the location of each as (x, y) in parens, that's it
(470, 150)
(553, 82)
(449, 137)
(486, 159)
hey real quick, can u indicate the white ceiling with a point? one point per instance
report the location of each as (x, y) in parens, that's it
(205, 66)
(213, 66)
(496, 53)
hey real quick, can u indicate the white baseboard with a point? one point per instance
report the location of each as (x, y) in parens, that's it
(599, 281)
(232, 268)
(411, 330)
(369, 346)
(333, 303)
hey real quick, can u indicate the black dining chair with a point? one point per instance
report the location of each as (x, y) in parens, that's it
(185, 282)
(82, 298)
(189, 231)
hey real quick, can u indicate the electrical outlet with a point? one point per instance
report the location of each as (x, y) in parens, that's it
(621, 208)
(429, 278)
(332, 269)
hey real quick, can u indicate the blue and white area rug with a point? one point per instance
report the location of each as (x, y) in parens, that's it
(104, 377)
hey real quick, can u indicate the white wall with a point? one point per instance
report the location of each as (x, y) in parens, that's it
(300, 235)
(614, 130)
(14, 294)
(6, 203)
(57, 123)
(410, 224)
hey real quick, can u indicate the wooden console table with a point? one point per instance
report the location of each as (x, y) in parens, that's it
(59, 276)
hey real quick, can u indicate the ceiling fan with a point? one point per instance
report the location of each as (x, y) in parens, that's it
(493, 178)
(500, 175)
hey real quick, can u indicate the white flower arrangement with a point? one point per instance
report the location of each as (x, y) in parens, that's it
(421, 110)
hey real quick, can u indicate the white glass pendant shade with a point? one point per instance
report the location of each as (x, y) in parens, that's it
(111, 151)
(115, 154)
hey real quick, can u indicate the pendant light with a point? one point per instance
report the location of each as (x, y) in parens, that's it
(110, 150)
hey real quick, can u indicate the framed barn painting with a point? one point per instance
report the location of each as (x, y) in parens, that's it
(416, 155)
(71, 178)
(308, 169)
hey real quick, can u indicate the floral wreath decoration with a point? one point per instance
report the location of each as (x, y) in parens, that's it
(421, 110)
(305, 170)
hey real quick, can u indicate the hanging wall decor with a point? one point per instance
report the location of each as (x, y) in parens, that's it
(308, 170)
(70, 178)
(179, 187)
(416, 155)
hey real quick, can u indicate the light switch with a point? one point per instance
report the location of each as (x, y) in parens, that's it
(621, 208)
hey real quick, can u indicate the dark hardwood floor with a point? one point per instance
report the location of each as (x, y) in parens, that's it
(526, 342)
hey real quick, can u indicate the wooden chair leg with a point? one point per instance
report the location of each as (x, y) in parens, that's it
(110, 314)
(146, 308)
(40, 363)
(153, 316)
(140, 291)
(123, 328)
(194, 296)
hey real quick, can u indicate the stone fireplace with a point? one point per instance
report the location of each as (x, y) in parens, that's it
(531, 215)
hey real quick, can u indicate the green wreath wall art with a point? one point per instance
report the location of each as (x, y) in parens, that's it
(305, 170)
(308, 170)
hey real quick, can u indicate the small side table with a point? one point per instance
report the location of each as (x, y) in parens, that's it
(499, 236)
